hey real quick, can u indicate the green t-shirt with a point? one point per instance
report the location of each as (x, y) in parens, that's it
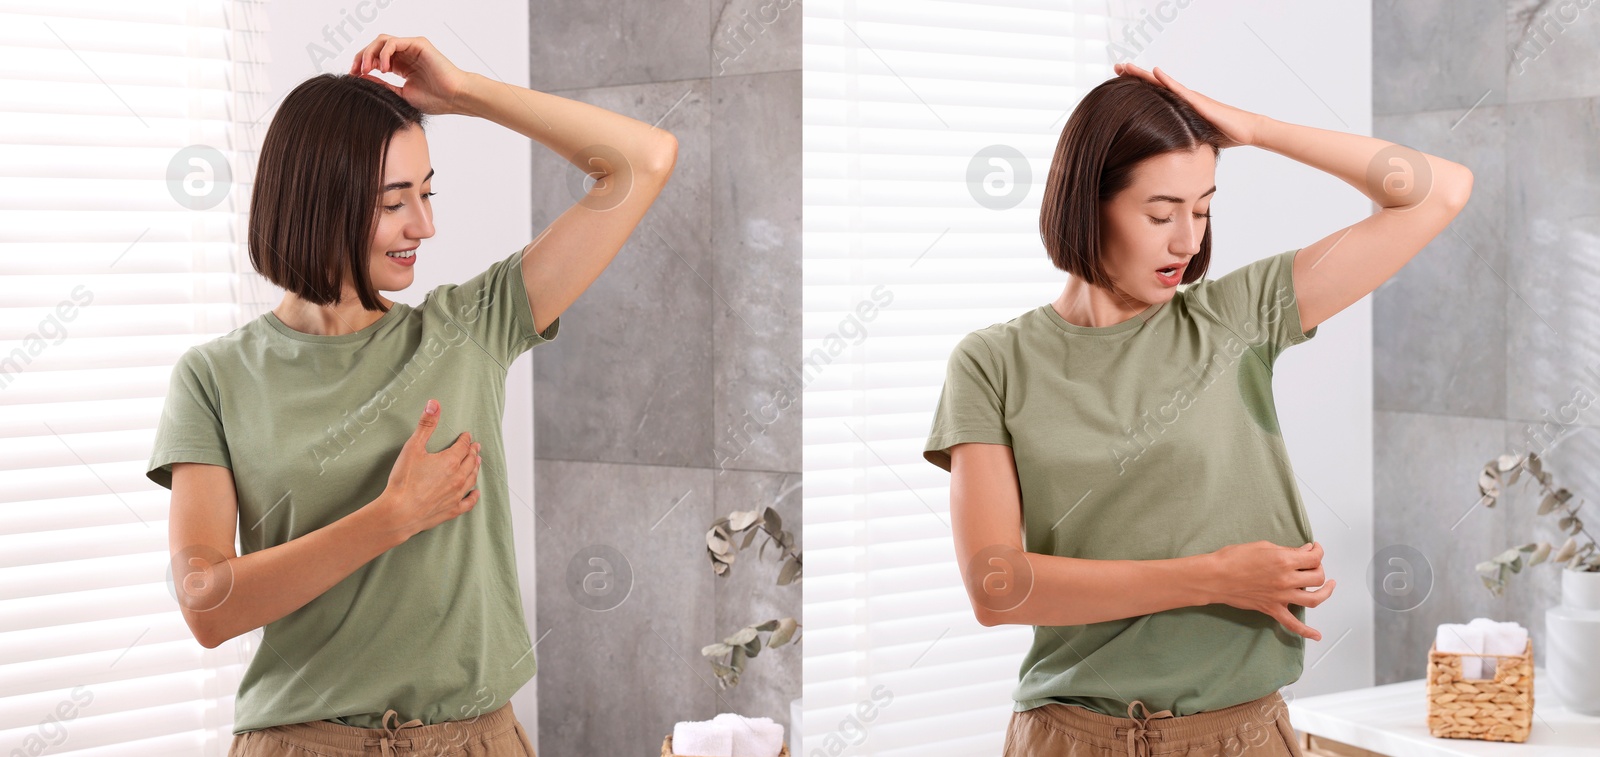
(1152, 438)
(310, 427)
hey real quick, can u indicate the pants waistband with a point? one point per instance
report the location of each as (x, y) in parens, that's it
(1163, 727)
(411, 736)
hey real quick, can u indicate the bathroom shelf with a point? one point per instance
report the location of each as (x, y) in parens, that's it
(1392, 721)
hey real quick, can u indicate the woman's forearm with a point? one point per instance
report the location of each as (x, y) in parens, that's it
(568, 126)
(1385, 172)
(265, 585)
(1072, 591)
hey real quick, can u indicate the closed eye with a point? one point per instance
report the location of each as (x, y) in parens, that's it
(1159, 221)
(397, 206)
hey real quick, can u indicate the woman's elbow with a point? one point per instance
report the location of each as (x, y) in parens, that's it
(203, 634)
(665, 155)
(1458, 186)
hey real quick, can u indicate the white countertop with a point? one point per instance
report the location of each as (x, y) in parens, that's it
(1393, 719)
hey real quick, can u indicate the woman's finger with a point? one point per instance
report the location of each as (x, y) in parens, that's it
(1288, 620)
(385, 54)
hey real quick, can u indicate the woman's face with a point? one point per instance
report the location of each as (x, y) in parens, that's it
(405, 215)
(1157, 222)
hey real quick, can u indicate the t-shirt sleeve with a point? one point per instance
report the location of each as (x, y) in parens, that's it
(1257, 303)
(493, 309)
(190, 429)
(972, 403)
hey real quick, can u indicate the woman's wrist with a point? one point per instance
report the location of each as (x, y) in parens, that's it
(1200, 574)
(469, 101)
(1266, 131)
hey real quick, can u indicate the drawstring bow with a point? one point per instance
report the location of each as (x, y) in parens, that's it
(391, 733)
(1139, 735)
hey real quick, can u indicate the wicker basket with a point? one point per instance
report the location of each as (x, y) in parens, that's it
(1498, 709)
(666, 749)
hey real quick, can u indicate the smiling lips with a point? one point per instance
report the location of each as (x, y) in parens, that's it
(403, 257)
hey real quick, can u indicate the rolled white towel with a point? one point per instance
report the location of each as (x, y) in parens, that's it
(1463, 639)
(705, 738)
(1500, 638)
(753, 737)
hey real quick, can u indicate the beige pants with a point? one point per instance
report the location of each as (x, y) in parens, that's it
(1258, 728)
(492, 734)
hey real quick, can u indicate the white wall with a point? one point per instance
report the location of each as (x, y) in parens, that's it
(1307, 64)
(485, 208)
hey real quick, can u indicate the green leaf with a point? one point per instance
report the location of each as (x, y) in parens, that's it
(1488, 569)
(774, 523)
(1535, 466)
(767, 626)
(1549, 503)
(715, 650)
(1568, 549)
(1489, 482)
(784, 633)
(1540, 554)
(743, 636)
(740, 520)
(748, 537)
(791, 568)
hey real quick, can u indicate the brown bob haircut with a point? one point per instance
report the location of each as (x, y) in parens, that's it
(313, 208)
(1114, 128)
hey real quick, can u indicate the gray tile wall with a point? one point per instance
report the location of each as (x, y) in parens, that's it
(671, 396)
(1489, 341)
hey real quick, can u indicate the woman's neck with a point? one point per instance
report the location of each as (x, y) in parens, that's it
(347, 317)
(1083, 304)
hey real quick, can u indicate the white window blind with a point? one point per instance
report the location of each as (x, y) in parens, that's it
(913, 238)
(117, 122)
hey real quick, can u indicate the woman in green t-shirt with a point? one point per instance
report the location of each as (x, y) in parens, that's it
(386, 592)
(1163, 558)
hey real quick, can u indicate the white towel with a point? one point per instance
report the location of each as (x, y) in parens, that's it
(1462, 639)
(1500, 638)
(753, 737)
(702, 739)
(1481, 636)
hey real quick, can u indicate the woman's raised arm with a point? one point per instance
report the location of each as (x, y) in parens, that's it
(1417, 195)
(628, 159)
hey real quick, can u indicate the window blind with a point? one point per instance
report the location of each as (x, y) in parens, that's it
(929, 128)
(127, 135)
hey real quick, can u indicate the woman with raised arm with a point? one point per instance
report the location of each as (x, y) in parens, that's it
(1118, 480)
(353, 443)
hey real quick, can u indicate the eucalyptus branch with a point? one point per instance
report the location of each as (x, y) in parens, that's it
(1586, 557)
(729, 656)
